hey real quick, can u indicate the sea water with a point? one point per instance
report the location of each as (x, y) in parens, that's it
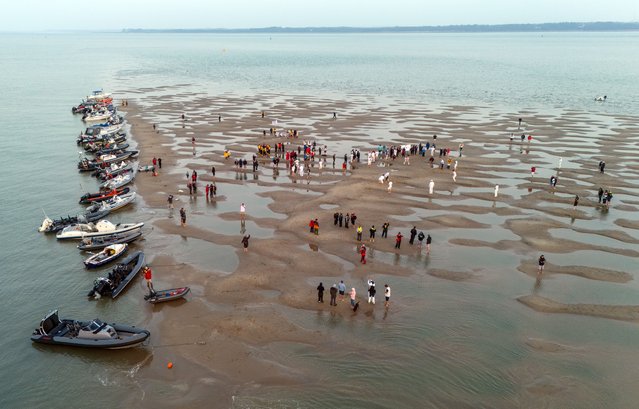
(450, 343)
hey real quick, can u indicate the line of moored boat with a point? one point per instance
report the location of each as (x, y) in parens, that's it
(110, 161)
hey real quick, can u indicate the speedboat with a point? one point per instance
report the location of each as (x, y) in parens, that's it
(118, 278)
(113, 169)
(118, 181)
(101, 228)
(99, 150)
(101, 161)
(97, 116)
(88, 198)
(92, 214)
(102, 129)
(88, 334)
(117, 202)
(94, 243)
(108, 254)
(102, 138)
(98, 95)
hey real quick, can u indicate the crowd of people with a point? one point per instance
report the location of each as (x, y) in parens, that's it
(338, 292)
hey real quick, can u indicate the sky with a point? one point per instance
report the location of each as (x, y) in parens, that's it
(39, 15)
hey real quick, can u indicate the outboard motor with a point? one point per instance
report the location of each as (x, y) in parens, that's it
(100, 287)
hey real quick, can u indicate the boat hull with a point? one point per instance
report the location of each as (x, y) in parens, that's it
(101, 242)
(167, 295)
(77, 235)
(133, 337)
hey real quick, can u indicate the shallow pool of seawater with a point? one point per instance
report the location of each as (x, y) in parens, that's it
(205, 255)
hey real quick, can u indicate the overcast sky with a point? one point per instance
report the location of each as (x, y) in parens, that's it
(36, 15)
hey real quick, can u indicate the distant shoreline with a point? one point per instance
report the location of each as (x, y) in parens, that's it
(469, 28)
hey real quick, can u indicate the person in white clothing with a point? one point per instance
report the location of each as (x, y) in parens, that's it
(390, 186)
(454, 176)
(242, 211)
(387, 295)
(431, 186)
(496, 190)
(371, 292)
(381, 179)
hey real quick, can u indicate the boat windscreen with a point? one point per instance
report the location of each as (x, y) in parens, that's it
(50, 323)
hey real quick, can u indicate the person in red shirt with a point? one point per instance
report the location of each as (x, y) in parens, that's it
(148, 275)
(532, 171)
(362, 252)
(398, 240)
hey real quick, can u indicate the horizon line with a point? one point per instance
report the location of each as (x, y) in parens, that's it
(474, 27)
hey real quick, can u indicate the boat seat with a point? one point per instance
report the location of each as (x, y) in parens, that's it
(100, 328)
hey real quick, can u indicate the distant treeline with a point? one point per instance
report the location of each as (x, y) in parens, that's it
(472, 28)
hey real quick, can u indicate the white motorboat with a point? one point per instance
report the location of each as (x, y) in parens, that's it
(118, 201)
(108, 254)
(102, 129)
(99, 229)
(120, 180)
(98, 95)
(97, 116)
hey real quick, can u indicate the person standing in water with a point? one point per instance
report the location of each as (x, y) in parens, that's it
(387, 295)
(183, 216)
(242, 212)
(542, 263)
(245, 242)
(320, 293)
(333, 292)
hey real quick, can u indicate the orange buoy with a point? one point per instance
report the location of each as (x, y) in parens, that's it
(169, 365)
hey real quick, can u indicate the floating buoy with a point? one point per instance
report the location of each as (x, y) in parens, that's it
(169, 365)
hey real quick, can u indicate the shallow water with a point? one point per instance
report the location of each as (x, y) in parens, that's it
(457, 343)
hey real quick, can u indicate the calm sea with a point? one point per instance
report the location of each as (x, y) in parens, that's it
(475, 350)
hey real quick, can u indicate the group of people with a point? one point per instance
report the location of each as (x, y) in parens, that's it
(343, 221)
(340, 290)
(605, 197)
(211, 190)
(314, 226)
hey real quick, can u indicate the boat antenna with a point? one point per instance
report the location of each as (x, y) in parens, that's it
(45, 214)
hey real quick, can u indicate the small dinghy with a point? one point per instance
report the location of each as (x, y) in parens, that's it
(89, 198)
(108, 254)
(167, 295)
(96, 243)
(146, 168)
(118, 278)
(101, 228)
(87, 334)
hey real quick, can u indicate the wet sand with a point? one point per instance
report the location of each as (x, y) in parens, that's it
(233, 314)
